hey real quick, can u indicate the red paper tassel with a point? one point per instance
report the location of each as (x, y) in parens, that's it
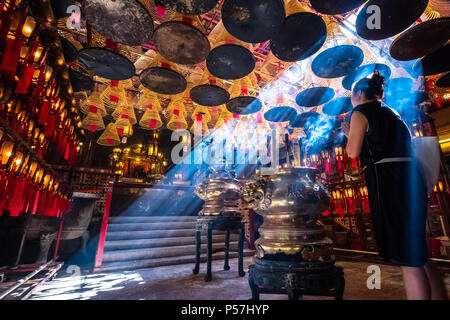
(351, 206)
(11, 55)
(366, 205)
(235, 116)
(339, 210)
(176, 112)
(43, 113)
(10, 59)
(50, 125)
(152, 123)
(66, 154)
(259, 117)
(24, 82)
(111, 45)
(160, 10)
(35, 199)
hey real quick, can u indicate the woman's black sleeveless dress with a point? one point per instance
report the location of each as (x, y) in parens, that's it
(397, 190)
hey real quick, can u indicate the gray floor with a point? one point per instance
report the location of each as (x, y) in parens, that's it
(178, 282)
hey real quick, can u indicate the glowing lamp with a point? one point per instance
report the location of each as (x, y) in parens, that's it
(336, 195)
(363, 191)
(48, 73)
(33, 167)
(338, 151)
(349, 193)
(28, 27)
(6, 151)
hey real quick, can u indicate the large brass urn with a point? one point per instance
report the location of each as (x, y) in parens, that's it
(293, 254)
(221, 193)
(289, 201)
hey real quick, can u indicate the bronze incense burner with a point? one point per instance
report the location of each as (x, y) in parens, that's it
(294, 256)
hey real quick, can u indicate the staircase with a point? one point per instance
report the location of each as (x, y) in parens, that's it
(134, 242)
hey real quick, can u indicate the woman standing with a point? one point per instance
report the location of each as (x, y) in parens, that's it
(397, 190)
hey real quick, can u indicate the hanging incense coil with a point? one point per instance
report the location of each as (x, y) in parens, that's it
(231, 58)
(150, 119)
(223, 119)
(94, 100)
(177, 121)
(210, 91)
(125, 109)
(443, 81)
(338, 106)
(124, 21)
(421, 39)
(190, 7)
(112, 96)
(202, 110)
(182, 40)
(109, 137)
(314, 96)
(124, 126)
(80, 82)
(200, 126)
(243, 97)
(337, 61)
(286, 45)
(93, 121)
(107, 59)
(162, 77)
(395, 16)
(442, 6)
(176, 103)
(433, 63)
(430, 14)
(70, 49)
(146, 99)
(253, 21)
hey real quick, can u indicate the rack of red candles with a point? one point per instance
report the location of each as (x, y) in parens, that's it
(35, 93)
(28, 185)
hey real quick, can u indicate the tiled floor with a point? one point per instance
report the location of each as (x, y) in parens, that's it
(178, 282)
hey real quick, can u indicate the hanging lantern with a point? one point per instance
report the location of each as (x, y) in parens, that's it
(6, 151)
(109, 137)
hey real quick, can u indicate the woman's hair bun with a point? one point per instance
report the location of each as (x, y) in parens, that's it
(373, 87)
(377, 81)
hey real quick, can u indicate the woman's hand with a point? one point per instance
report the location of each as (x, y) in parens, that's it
(345, 128)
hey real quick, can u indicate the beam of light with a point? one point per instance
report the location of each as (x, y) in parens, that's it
(155, 200)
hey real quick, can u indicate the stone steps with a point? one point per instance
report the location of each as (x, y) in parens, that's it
(134, 242)
(159, 262)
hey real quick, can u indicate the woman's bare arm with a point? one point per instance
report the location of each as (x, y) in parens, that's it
(359, 125)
